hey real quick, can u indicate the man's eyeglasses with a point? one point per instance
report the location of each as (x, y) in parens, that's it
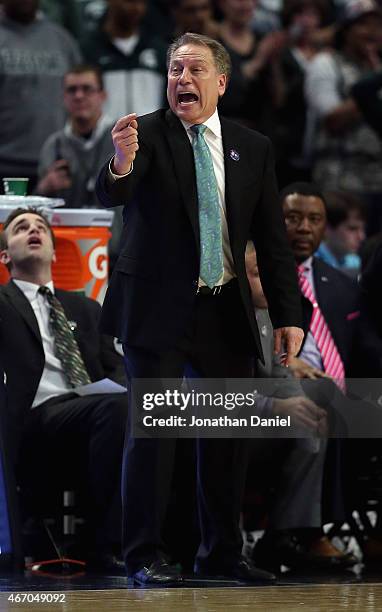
(86, 89)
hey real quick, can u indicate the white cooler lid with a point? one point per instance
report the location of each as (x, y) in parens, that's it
(70, 217)
(36, 201)
(80, 217)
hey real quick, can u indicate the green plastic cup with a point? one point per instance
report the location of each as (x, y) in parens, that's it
(15, 186)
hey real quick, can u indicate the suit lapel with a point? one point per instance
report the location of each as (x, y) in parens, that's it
(24, 308)
(322, 286)
(67, 304)
(234, 175)
(235, 172)
(62, 297)
(183, 160)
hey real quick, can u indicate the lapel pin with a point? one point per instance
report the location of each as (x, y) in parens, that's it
(234, 155)
(324, 279)
(72, 325)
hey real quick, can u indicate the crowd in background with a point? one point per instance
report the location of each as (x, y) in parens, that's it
(306, 73)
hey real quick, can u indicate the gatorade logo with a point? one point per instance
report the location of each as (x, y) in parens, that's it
(98, 262)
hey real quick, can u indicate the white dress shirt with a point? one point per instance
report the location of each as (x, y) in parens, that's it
(52, 381)
(310, 352)
(213, 138)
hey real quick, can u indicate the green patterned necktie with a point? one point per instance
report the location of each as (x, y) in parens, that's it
(65, 344)
(210, 225)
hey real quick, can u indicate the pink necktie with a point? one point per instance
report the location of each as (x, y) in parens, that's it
(332, 362)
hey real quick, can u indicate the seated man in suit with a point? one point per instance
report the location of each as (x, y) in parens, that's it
(293, 536)
(330, 305)
(350, 320)
(330, 300)
(50, 346)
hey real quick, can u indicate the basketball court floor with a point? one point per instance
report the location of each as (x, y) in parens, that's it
(31, 592)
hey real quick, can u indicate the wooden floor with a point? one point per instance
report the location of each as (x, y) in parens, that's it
(309, 598)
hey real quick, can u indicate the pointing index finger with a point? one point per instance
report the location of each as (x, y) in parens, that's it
(126, 121)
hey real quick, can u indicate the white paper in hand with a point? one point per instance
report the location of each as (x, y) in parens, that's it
(100, 386)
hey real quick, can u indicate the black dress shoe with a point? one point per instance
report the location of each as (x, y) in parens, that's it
(158, 573)
(243, 570)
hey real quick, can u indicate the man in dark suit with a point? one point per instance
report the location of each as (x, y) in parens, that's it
(330, 305)
(49, 424)
(336, 295)
(293, 536)
(196, 190)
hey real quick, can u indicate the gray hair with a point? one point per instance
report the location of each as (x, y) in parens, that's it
(219, 53)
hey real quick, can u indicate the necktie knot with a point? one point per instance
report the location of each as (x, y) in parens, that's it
(302, 279)
(300, 269)
(45, 291)
(198, 129)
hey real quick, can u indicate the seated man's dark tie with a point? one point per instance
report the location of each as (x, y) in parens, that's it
(66, 347)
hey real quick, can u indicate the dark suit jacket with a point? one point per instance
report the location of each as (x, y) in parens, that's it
(338, 298)
(22, 353)
(151, 294)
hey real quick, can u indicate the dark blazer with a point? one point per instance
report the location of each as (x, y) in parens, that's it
(338, 298)
(22, 353)
(152, 292)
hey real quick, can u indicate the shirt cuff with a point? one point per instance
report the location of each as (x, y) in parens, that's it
(115, 177)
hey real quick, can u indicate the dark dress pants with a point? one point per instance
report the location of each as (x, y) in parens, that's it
(218, 344)
(70, 436)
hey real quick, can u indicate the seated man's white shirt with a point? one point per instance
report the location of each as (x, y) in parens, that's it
(52, 381)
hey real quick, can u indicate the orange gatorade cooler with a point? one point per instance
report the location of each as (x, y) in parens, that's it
(82, 236)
